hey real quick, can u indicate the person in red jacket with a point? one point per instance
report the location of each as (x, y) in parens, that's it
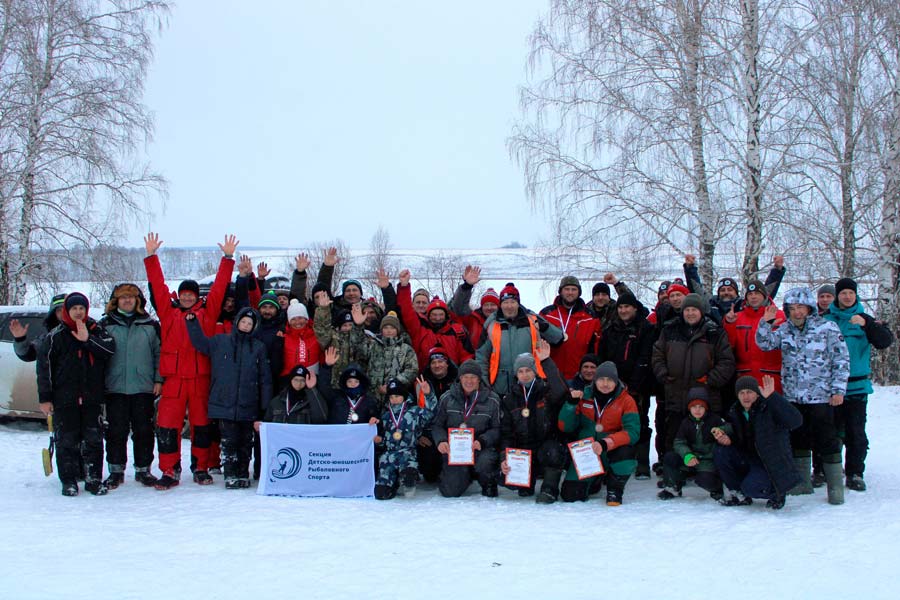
(741, 329)
(185, 370)
(300, 344)
(580, 329)
(434, 329)
(473, 320)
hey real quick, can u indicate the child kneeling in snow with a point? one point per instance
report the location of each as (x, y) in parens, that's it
(403, 423)
(693, 450)
(240, 384)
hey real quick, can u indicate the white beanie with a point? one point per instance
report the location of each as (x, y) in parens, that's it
(296, 309)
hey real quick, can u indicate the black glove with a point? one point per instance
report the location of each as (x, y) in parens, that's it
(572, 399)
(602, 443)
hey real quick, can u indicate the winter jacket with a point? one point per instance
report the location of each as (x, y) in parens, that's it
(341, 403)
(694, 439)
(268, 332)
(240, 382)
(472, 320)
(451, 336)
(686, 356)
(544, 399)
(349, 344)
(412, 420)
(815, 363)
(300, 348)
(517, 336)
(629, 346)
(134, 368)
(860, 340)
(616, 413)
(749, 358)
(177, 357)
(27, 351)
(306, 407)
(387, 358)
(764, 432)
(609, 311)
(71, 372)
(581, 330)
(483, 415)
(719, 308)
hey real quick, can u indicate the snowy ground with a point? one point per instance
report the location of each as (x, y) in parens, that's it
(206, 542)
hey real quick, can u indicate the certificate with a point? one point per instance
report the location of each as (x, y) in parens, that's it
(519, 463)
(461, 450)
(587, 464)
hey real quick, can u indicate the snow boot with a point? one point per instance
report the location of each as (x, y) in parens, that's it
(735, 498)
(70, 489)
(96, 487)
(408, 480)
(818, 477)
(657, 469)
(145, 477)
(115, 479)
(669, 492)
(232, 483)
(642, 452)
(803, 464)
(549, 487)
(244, 482)
(489, 490)
(615, 489)
(384, 492)
(203, 478)
(526, 492)
(856, 483)
(776, 503)
(834, 480)
(167, 481)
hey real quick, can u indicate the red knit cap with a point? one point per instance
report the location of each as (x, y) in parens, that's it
(509, 291)
(490, 295)
(677, 287)
(437, 303)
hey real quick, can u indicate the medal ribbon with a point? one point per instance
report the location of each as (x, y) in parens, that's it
(565, 325)
(599, 413)
(528, 393)
(469, 409)
(353, 404)
(399, 418)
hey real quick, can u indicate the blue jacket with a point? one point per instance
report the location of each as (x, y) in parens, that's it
(860, 339)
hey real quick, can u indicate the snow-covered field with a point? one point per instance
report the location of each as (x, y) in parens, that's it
(207, 542)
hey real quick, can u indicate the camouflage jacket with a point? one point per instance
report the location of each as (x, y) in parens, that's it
(387, 358)
(347, 343)
(412, 424)
(815, 363)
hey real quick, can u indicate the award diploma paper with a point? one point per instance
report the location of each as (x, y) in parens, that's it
(461, 450)
(519, 462)
(587, 464)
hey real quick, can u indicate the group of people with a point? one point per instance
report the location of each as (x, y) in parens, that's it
(751, 401)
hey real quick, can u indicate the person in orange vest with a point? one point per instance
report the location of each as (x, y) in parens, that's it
(509, 332)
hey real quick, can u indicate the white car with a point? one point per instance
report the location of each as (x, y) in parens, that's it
(18, 380)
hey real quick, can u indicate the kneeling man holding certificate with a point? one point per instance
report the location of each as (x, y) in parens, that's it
(467, 433)
(608, 424)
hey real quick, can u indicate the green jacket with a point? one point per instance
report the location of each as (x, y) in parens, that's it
(134, 367)
(386, 358)
(694, 440)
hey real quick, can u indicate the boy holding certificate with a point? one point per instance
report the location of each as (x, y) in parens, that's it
(530, 412)
(401, 426)
(467, 433)
(609, 418)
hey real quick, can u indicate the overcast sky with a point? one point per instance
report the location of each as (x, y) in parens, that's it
(291, 122)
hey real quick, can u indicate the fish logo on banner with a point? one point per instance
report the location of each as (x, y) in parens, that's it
(289, 461)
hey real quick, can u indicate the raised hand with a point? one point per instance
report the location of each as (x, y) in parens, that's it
(404, 277)
(356, 312)
(311, 379)
(610, 279)
(472, 275)
(322, 299)
(730, 317)
(690, 260)
(245, 266)
(778, 261)
(152, 243)
(262, 270)
(771, 312)
(81, 332)
(423, 385)
(331, 257)
(301, 263)
(382, 279)
(543, 350)
(230, 245)
(17, 329)
(331, 356)
(768, 386)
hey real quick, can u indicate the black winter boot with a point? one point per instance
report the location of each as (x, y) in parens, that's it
(776, 503)
(203, 478)
(145, 478)
(615, 489)
(489, 490)
(408, 480)
(856, 483)
(669, 492)
(384, 492)
(70, 489)
(115, 479)
(549, 487)
(96, 487)
(167, 481)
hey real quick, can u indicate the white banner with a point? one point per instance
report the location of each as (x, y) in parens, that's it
(317, 460)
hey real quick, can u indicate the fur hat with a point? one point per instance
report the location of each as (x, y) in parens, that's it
(470, 367)
(509, 292)
(490, 295)
(569, 280)
(296, 309)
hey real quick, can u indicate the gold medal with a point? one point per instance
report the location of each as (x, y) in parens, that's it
(526, 413)
(599, 428)
(397, 436)
(354, 417)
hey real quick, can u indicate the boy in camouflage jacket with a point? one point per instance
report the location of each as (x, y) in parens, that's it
(343, 332)
(388, 356)
(402, 424)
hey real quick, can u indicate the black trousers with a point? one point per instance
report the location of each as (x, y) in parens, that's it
(126, 414)
(79, 437)
(818, 432)
(430, 462)
(676, 474)
(237, 445)
(455, 480)
(850, 420)
(547, 463)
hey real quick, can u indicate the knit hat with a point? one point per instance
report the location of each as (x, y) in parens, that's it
(607, 370)
(845, 284)
(350, 282)
(490, 295)
(756, 286)
(189, 285)
(589, 358)
(570, 280)
(826, 289)
(628, 299)
(524, 360)
(437, 353)
(437, 304)
(391, 320)
(728, 282)
(298, 371)
(320, 287)
(247, 312)
(600, 288)
(697, 395)
(509, 292)
(353, 371)
(395, 387)
(296, 309)
(57, 300)
(421, 292)
(677, 287)
(470, 367)
(692, 301)
(342, 316)
(269, 298)
(76, 299)
(663, 287)
(746, 383)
